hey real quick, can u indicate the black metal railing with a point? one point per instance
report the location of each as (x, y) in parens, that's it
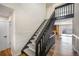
(45, 39)
(33, 36)
(64, 11)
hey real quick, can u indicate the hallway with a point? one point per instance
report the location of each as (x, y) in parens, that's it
(63, 47)
(33, 35)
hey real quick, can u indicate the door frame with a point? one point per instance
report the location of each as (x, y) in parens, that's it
(12, 32)
(6, 51)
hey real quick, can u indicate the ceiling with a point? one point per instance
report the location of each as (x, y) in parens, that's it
(49, 4)
(5, 11)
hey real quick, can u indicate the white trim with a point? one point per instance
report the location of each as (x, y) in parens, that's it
(75, 36)
(13, 34)
(66, 35)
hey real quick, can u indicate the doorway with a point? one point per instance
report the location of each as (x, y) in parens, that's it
(5, 48)
(56, 31)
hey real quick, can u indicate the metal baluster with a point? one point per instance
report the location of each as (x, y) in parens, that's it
(64, 10)
(67, 10)
(72, 8)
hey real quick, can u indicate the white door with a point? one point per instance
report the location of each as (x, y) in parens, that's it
(4, 35)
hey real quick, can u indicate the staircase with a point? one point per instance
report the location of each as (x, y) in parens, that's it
(42, 40)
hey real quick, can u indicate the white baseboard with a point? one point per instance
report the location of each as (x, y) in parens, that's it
(73, 46)
(16, 53)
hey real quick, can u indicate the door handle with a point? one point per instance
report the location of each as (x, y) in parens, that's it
(5, 36)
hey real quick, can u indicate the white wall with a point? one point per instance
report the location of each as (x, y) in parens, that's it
(75, 39)
(49, 9)
(76, 20)
(28, 17)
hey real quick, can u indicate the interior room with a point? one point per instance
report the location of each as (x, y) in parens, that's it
(39, 29)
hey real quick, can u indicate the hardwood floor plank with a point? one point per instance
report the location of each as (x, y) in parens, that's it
(63, 47)
(6, 52)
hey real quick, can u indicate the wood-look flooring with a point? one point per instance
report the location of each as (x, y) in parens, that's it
(63, 47)
(6, 52)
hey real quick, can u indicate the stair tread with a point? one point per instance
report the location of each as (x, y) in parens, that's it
(33, 41)
(32, 47)
(38, 32)
(29, 52)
